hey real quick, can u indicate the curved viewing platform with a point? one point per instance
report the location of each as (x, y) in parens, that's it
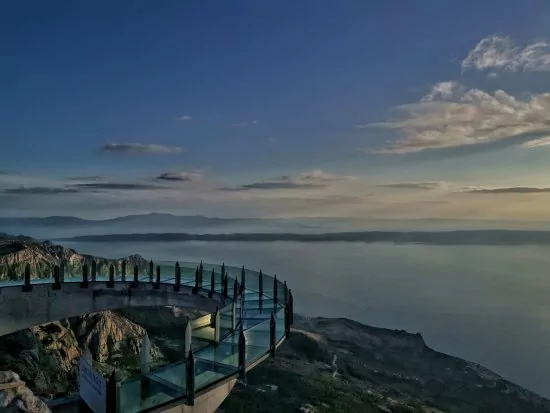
(249, 316)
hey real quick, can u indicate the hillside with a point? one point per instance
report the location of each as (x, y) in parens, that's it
(17, 252)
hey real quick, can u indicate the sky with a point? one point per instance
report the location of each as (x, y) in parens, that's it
(370, 110)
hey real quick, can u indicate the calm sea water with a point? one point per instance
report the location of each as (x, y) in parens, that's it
(489, 305)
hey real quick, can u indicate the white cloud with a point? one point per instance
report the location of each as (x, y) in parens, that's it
(140, 148)
(443, 91)
(244, 124)
(536, 143)
(451, 115)
(315, 179)
(185, 118)
(500, 53)
(362, 125)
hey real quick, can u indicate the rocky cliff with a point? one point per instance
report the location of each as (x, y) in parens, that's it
(15, 254)
(339, 365)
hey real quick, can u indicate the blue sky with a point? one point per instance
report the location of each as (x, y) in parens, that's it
(311, 108)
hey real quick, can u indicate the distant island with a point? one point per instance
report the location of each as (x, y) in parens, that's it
(462, 237)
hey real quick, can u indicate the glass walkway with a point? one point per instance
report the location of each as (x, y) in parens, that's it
(253, 319)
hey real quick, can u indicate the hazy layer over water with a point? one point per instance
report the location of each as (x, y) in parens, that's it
(486, 304)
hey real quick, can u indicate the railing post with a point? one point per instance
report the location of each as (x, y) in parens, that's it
(190, 379)
(151, 269)
(56, 281)
(272, 334)
(291, 305)
(261, 283)
(145, 363)
(187, 337)
(156, 286)
(234, 315)
(287, 321)
(177, 283)
(136, 277)
(242, 354)
(243, 279)
(212, 283)
(223, 269)
(62, 271)
(216, 325)
(236, 289)
(201, 273)
(84, 283)
(111, 282)
(123, 271)
(94, 270)
(196, 287)
(285, 293)
(111, 397)
(27, 287)
(275, 286)
(225, 282)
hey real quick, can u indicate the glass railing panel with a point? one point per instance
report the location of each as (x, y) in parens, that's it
(162, 386)
(225, 353)
(208, 372)
(280, 324)
(174, 374)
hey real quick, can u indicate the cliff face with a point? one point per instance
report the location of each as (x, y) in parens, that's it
(339, 365)
(43, 256)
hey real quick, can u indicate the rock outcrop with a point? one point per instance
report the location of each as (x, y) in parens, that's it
(19, 399)
(377, 370)
(15, 254)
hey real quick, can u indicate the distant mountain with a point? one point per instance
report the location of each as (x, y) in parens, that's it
(152, 219)
(473, 237)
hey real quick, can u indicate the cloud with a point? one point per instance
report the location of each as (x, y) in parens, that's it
(244, 124)
(88, 178)
(118, 186)
(501, 53)
(181, 176)
(40, 190)
(536, 143)
(506, 190)
(185, 118)
(315, 179)
(362, 125)
(272, 139)
(140, 148)
(451, 116)
(427, 186)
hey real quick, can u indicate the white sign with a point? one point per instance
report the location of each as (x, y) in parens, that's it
(93, 387)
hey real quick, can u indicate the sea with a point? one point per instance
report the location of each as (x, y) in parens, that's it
(486, 304)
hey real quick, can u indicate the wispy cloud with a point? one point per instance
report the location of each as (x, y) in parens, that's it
(506, 190)
(272, 139)
(40, 190)
(136, 148)
(244, 124)
(362, 125)
(315, 179)
(116, 186)
(502, 53)
(451, 115)
(180, 176)
(185, 118)
(536, 143)
(426, 186)
(88, 178)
